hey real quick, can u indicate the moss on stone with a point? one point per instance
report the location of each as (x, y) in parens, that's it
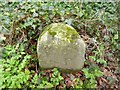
(62, 31)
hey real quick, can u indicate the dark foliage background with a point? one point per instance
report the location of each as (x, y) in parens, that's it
(21, 23)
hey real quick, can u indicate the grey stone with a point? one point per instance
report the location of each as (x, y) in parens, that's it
(60, 46)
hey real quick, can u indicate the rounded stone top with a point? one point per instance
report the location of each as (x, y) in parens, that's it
(61, 31)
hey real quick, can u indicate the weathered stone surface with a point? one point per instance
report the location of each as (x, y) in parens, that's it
(60, 46)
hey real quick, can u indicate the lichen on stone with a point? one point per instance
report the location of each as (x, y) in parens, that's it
(61, 31)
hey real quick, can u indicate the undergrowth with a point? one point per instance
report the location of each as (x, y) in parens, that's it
(21, 23)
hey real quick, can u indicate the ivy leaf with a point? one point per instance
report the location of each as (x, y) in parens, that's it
(27, 72)
(116, 36)
(33, 26)
(22, 53)
(32, 10)
(80, 13)
(51, 7)
(68, 21)
(35, 14)
(7, 21)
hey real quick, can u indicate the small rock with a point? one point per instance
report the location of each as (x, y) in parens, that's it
(60, 46)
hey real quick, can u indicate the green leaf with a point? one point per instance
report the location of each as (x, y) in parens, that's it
(51, 7)
(68, 21)
(18, 85)
(116, 36)
(35, 14)
(80, 14)
(22, 53)
(33, 26)
(27, 57)
(32, 10)
(27, 72)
